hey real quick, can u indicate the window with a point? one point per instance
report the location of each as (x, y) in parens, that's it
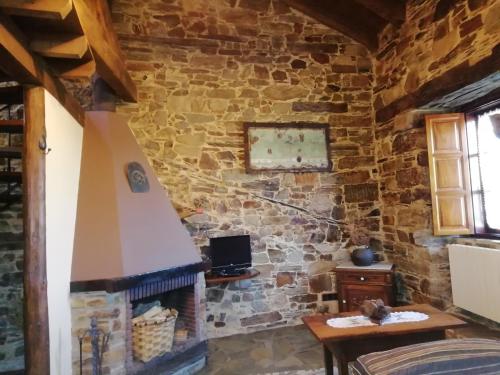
(483, 133)
(464, 166)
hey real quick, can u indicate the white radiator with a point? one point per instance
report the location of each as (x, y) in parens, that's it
(475, 279)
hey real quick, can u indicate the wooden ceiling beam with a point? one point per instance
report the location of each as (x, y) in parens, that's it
(394, 11)
(61, 46)
(95, 19)
(26, 68)
(17, 61)
(51, 9)
(73, 69)
(447, 83)
(346, 16)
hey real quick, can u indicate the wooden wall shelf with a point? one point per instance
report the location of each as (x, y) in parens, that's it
(215, 279)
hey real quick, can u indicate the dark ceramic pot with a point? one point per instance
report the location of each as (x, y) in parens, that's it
(363, 257)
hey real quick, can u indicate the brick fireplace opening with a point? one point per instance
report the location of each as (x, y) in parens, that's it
(113, 310)
(179, 294)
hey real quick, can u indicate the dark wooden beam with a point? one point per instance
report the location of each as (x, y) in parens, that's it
(36, 319)
(24, 67)
(452, 80)
(492, 98)
(393, 11)
(95, 19)
(346, 16)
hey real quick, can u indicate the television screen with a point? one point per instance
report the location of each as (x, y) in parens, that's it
(230, 254)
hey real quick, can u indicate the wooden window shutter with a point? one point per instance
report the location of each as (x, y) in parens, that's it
(449, 174)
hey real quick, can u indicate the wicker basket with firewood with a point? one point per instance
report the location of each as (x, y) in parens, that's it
(153, 333)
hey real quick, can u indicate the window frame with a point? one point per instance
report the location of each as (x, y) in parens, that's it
(472, 113)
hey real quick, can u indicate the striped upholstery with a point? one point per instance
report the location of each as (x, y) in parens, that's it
(445, 357)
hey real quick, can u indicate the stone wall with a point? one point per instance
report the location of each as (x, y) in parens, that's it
(11, 268)
(200, 295)
(110, 310)
(202, 69)
(11, 289)
(437, 37)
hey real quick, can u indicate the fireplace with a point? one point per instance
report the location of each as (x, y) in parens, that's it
(113, 310)
(181, 294)
(130, 248)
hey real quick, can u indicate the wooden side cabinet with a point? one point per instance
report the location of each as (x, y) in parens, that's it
(356, 284)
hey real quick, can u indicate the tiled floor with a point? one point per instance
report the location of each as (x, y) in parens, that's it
(290, 351)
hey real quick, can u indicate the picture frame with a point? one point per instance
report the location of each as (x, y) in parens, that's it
(295, 147)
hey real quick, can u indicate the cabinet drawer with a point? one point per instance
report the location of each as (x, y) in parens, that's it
(364, 277)
(354, 295)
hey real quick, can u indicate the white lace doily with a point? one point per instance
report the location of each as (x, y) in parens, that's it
(359, 320)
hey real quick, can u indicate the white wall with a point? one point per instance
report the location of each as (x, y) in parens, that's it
(64, 138)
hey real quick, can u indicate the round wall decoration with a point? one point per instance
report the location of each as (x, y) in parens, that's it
(137, 178)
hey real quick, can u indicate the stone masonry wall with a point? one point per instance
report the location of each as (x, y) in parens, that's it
(110, 310)
(200, 295)
(11, 288)
(11, 266)
(202, 69)
(436, 37)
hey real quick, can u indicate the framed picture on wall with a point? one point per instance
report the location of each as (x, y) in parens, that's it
(287, 147)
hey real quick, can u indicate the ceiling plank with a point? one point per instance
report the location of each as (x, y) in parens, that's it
(51, 9)
(61, 46)
(31, 26)
(96, 23)
(73, 69)
(24, 67)
(346, 16)
(394, 11)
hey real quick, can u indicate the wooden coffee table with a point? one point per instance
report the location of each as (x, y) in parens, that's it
(347, 344)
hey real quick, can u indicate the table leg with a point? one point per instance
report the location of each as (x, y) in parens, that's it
(328, 360)
(340, 358)
(343, 367)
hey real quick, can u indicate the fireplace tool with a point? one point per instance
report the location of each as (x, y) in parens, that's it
(99, 341)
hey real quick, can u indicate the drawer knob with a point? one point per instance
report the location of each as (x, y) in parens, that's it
(344, 301)
(362, 278)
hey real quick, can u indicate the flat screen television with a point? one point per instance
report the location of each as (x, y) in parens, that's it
(230, 255)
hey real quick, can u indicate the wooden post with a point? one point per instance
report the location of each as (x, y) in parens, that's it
(36, 320)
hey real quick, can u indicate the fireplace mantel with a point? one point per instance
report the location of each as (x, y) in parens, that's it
(130, 282)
